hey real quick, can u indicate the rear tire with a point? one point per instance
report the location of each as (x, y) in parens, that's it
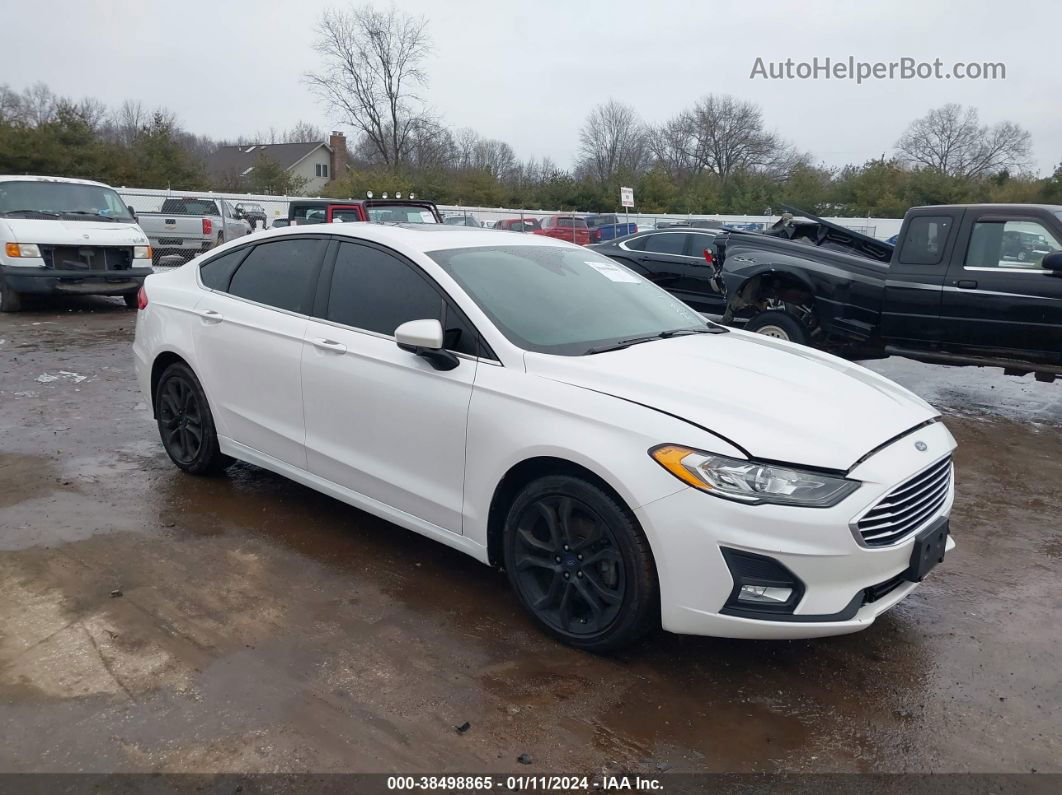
(186, 425)
(779, 324)
(580, 564)
(10, 301)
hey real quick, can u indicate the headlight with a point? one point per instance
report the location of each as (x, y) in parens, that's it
(23, 250)
(141, 252)
(752, 482)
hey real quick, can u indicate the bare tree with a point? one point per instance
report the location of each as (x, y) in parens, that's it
(951, 139)
(10, 106)
(372, 67)
(38, 104)
(129, 120)
(613, 141)
(729, 136)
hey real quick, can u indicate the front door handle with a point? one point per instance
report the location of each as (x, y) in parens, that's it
(329, 345)
(210, 316)
(966, 284)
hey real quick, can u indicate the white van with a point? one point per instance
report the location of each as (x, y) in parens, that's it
(64, 236)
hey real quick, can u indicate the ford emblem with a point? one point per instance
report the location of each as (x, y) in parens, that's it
(921, 447)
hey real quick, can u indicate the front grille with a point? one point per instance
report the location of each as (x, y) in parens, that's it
(907, 507)
(88, 258)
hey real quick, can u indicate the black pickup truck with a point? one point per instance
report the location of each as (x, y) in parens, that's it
(955, 289)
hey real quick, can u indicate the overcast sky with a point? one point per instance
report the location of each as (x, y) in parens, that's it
(528, 72)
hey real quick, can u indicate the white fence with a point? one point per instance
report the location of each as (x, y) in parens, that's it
(148, 200)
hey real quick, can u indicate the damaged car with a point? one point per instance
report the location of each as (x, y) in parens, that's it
(967, 284)
(548, 411)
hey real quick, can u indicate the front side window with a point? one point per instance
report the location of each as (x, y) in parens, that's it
(667, 243)
(375, 291)
(281, 274)
(69, 201)
(924, 241)
(558, 300)
(1010, 244)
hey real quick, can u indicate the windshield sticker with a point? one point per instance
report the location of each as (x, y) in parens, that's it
(613, 272)
(426, 217)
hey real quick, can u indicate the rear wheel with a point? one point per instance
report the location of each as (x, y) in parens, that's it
(780, 325)
(10, 300)
(185, 422)
(580, 564)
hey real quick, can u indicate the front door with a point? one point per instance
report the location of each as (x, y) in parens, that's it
(379, 420)
(1000, 297)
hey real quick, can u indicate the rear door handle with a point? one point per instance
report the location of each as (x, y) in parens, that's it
(209, 315)
(966, 284)
(329, 345)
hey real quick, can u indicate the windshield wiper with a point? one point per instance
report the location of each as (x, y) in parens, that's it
(663, 335)
(37, 212)
(91, 213)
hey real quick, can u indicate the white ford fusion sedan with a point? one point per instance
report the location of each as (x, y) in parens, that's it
(546, 410)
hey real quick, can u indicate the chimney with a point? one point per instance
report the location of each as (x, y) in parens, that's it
(338, 142)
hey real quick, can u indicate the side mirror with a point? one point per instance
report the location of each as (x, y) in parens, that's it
(1053, 262)
(425, 339)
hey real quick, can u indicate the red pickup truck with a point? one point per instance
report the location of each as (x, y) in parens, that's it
(567, 227)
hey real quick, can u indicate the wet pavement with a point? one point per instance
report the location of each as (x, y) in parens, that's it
(153, 621)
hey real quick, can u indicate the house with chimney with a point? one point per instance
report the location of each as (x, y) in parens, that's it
(317, 162)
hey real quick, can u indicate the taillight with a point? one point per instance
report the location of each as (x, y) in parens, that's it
(708, 257)
(596, 235)
(141, 298)
(208, 226)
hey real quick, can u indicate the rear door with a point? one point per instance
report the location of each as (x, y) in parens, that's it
(915, 281)
(345, 213)
(379, 420)
(675, 261)
(249, 339)
(998, 296)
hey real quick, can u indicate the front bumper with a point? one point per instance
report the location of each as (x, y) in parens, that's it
(77, 282)
(689, 530)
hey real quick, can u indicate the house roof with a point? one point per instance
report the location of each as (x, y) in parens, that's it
(239, 159)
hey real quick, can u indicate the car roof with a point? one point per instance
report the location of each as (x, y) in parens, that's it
(68, 180)
(419, 237)
(1051, 208)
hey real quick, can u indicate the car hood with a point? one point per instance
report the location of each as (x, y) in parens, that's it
(75, 233)
(778, 401)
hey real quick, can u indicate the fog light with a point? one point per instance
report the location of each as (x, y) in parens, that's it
(764, 594)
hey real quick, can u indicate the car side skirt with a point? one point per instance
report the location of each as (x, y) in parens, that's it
(368, 504)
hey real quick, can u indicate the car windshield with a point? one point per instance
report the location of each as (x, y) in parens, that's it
(565, 301)
(68, 200)
(401, 214)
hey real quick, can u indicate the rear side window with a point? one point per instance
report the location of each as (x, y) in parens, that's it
(925, 240)
(280, 274)
(666, 243)
(217, 272)
(636, 244)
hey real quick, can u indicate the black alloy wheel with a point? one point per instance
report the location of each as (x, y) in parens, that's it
(580, 564)
(185, 422)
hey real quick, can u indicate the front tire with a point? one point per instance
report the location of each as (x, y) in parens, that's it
(779, 324)
(10, 300)
(130, 300)
(186, 425)
(580, 564)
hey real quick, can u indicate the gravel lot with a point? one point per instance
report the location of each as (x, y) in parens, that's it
(152, 621)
